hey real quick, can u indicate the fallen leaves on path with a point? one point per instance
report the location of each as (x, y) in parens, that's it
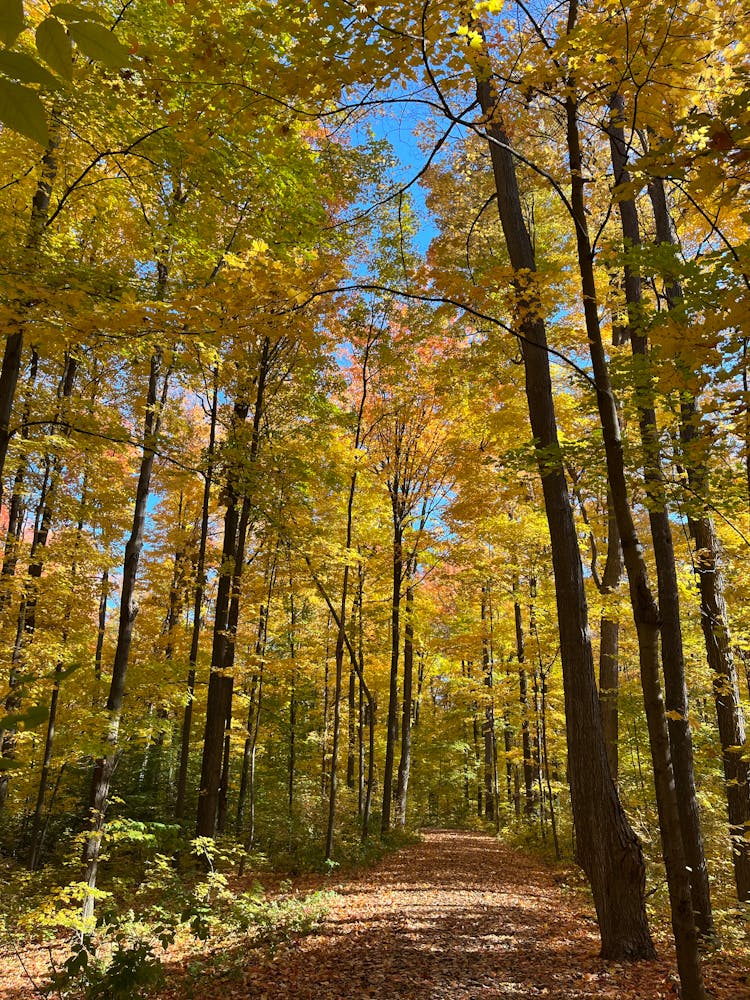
(456, 917)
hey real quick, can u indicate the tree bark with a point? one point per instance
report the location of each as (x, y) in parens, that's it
(14, 345)
(608, 849)
(609, 646)
(404, 766)
(523, 698)
(488, 727)
(645, 610)
(105, 765)
(200, 587)
(673, 660)
(26, 625)
(215, 758)
(17, 506)
(392, 723)
(714, 618)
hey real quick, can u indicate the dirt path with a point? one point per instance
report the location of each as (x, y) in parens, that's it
(456, 917)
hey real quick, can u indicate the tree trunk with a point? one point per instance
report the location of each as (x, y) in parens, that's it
(369, 707)
(488, 727)
(404, 767)
(215, 760)
(35, 847)
(608, 849)
(200, 587)
(673, 660)
(326, 706)
(523, 697)
(105, 765)
(292, 759)
(714, 619)
(645, 610)
(609, 646)
(100, 632)
(351, 749)
(392, 724)
(17, 506)
(26, 625)
(11, 366)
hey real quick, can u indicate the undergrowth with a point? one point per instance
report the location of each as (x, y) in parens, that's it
(204, 895)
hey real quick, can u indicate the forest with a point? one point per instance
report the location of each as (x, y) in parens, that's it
(374, 456)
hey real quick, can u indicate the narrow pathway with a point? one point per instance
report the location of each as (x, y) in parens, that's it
(456, 917)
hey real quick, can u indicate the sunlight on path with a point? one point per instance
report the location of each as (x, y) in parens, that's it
(457, 917)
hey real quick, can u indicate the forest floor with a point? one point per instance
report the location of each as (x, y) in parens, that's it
(457, 916)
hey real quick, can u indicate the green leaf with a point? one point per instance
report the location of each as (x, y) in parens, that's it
(19, 66)
(72, 12)
(11, 20)
(22, 111)
(55, 47)
(98, 43)
(30, 719)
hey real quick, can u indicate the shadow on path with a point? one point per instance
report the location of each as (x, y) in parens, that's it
(456, 917)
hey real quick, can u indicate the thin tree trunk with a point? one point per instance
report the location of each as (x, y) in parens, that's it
(105, 765)
(351, 729)
(26, 625)
(36, 825)
(673, 660)
(392, 723)
(326, 706)
(292, 760)
(404, 767)
(645, 610)
(256, 693)
(100, 632)
(200, 587)
(215, 760)
(17, 506)
(488, 727)
(14, 345)
(523, 697)
(609, 646)
(369, 708)
(547, 776)
(714, 618)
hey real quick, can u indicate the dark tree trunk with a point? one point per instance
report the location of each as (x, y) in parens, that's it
(609, 646)
(404, 767)
(14, 345)
(392, 724)
(100, 632)
(645, 610)
(359, 657)
(326, 707)
(212, 797)
(26, 625)
(342, 639)
(488, 727)
(200, 587)
(714, 619)
(35, 848)
(256, 695)
(714, 622)
(607, 847)
(523, 697)
(17, 506)
(352, 729)
(292, 758)
(673, 660)
(105, 765)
